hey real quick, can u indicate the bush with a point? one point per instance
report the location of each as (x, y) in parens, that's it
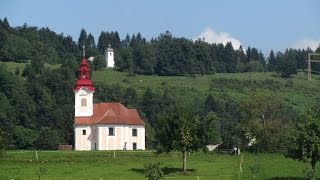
(153, 171)
(48, 139)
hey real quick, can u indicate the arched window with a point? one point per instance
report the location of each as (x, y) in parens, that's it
(83, 102)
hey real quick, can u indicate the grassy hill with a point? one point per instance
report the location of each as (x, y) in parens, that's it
(296, 91)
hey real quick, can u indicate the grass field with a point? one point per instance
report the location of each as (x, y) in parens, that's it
(130, 165)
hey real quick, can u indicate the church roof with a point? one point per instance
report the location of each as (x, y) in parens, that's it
(84, 79)
(110, 113)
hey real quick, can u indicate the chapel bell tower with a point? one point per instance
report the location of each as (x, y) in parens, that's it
(83, 91)
(109, 57)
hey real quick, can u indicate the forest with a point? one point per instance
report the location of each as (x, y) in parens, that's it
(37, 102)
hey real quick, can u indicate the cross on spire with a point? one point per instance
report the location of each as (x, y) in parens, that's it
(84, 51)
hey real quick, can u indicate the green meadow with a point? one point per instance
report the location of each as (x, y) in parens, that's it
(130, 165)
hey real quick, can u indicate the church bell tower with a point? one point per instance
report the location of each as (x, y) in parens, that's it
(109, 57)
(83, 91)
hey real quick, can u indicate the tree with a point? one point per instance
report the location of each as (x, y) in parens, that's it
(82, 41)
(272, 61)
(124, 60)
(90, 43)
(286, 64)
(230, 58)
(103, 42)
(264, 118)
(153, 171)
(179, 129)
(48, 139)
(3, 143)
(99, 62)
(305, 138)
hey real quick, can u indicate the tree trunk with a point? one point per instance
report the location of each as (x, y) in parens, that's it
(184, 164)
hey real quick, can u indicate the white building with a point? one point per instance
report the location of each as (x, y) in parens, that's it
(104, 126)
(109, 57)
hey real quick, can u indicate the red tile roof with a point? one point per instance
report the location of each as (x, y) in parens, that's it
(110, 113)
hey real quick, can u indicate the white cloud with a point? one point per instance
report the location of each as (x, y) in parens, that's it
(305, 43)
(210, 36)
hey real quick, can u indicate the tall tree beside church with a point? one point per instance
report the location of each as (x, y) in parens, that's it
(103, 42)
(116, 42)
(90, 43)
(124, 59)
(82, 41)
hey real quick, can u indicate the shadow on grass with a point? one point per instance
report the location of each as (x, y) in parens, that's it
(165, 170)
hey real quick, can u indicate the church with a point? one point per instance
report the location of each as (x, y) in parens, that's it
(104, 126)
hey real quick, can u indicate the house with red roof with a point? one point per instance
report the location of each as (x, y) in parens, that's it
(104, 126)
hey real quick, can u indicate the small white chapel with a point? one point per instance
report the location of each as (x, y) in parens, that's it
(104, 126)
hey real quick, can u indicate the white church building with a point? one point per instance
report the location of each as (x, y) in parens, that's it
(104, 126)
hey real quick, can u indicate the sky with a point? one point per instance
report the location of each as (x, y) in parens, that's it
(263, 24)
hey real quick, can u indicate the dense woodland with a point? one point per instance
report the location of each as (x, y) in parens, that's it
(37, 102)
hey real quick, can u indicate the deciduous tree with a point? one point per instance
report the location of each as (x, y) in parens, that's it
(179, 129)
(305, 138)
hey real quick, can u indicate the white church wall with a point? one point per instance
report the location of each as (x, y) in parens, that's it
(82, 141)
(122, 138)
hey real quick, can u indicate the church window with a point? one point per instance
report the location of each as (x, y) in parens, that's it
(110, 54)
(83, 102)
(134, 132)
(111, 131)
(134, 146)
(84, 132)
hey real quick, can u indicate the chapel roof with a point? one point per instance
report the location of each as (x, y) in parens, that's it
(84, 79)
(110, 113)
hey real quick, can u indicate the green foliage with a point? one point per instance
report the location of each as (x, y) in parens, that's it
(179, 129)
(305, 138)
(3, 144)
(82, 41)
(153, 171)
(99, 62)
(286, 65)
(262, 119)
(41, 172)
(272, 62)
(24, 137)
(48, 139)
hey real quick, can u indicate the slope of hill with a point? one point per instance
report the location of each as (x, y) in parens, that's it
(297, 91)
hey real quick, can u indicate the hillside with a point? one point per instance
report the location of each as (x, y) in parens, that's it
(296, 91)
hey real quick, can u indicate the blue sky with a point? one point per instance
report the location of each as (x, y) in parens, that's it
(266, 25)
